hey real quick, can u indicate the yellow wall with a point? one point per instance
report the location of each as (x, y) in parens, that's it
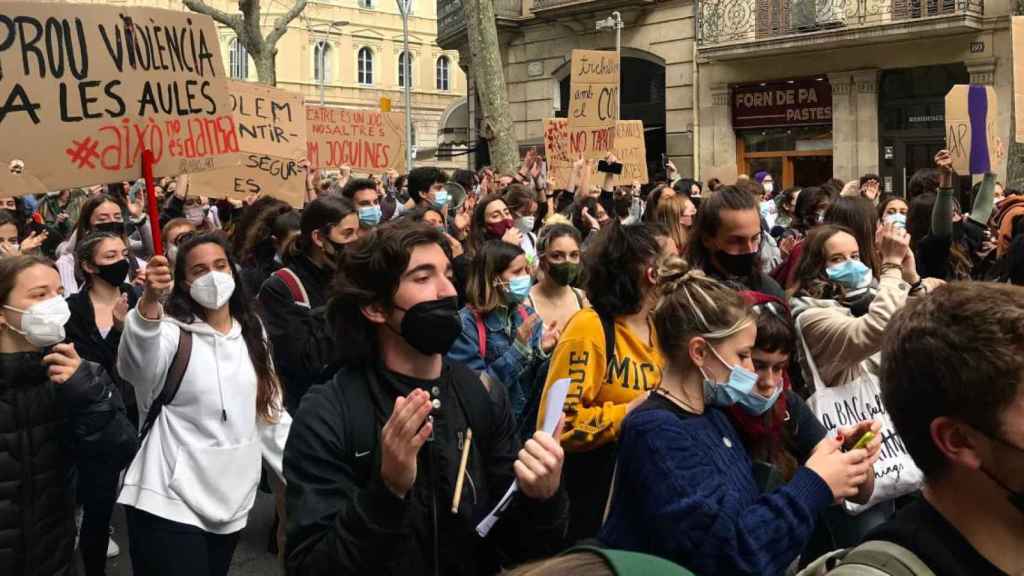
(379, 29)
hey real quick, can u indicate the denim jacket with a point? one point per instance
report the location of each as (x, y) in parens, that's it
(506, 361)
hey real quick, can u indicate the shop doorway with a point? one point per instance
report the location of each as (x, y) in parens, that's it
(912, 121)
(793, 156)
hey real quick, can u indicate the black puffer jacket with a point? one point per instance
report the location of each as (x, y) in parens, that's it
(42, 424)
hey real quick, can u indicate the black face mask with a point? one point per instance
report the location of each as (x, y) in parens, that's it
(111, 228)
(736, 264)
(1016, 497)
(432, 327)
(114, 274)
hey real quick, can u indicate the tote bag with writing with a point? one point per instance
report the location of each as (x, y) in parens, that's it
(861, 399)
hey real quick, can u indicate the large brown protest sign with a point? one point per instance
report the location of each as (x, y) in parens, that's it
(593, 101)
(85, 88)
(364, 140)
(257, 174)
(1017, 33)
(971, 132)
(270, 121)
(630, 149)
(12, 184)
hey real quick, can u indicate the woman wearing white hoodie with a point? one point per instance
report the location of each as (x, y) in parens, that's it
(189, 491)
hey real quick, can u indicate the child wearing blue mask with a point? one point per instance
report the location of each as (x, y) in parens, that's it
(501, 336)
(684, 487)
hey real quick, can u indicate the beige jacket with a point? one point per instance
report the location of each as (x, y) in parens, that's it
(838, 341)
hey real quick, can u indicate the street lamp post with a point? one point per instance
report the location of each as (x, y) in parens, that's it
(614, 22)
(322, 57)
(403, 8)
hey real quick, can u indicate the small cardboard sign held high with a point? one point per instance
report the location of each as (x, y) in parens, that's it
(971, 131)
(630, 149)
(593, 101)
(84, 88)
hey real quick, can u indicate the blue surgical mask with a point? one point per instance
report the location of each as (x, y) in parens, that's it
(518, 289)
(738, 389)
(851, 274)
(900, 220)
(440, 198)
(370, 215)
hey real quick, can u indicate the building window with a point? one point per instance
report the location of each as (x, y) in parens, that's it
(367, 4)
(322, 62)
(404, 68)
(443, 65)
(238, 60)
(365, 66)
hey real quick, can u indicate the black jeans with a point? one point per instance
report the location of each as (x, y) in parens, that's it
(97, 492)
(160, 547)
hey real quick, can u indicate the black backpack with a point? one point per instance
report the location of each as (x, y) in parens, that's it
(175, 374)
(360, 417)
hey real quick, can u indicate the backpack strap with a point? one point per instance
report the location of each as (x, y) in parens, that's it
(295, 286)
(608, 325)
(887, 557)
(175, 374)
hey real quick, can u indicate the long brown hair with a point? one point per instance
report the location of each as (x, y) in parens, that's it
(493, 258)
(858, 214)
(811, 278)
(184, 309)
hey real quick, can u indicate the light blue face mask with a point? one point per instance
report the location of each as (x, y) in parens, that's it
(852, 274)
(370, 215)
(738, 389)
(900, 220)
(518, 289)
(441, 198)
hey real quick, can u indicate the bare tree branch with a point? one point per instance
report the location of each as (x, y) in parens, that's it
(253, 37)
(233, 21)
(281, 24)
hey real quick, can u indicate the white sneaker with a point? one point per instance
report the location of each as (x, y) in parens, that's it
(113, 550)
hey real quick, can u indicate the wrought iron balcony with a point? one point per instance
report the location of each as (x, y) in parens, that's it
(730, 22)
(451, 19)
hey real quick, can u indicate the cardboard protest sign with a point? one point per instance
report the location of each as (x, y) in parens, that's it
(270, 121)
(84, 88)
(593, 101)
(1017, 34)
(19, 184)
(560, 152)
(272, 135)
(281, 178)
(364, 140)
(971, 131)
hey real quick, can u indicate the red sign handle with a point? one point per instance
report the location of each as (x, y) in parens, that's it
(151, 202)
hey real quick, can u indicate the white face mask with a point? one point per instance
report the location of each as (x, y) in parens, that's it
(212, 290)
(768, 187)
(43, 323)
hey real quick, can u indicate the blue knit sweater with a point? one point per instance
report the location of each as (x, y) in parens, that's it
(684, 491)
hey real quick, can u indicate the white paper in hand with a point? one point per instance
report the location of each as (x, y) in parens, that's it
(552, 412)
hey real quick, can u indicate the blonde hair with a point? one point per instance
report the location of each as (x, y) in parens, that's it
(693, 304)
(580, 563)
(668, 213)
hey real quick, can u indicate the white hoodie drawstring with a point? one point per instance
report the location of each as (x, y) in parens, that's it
(220, 388)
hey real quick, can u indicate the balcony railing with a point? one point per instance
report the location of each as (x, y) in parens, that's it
(451, 19)
(723, 22)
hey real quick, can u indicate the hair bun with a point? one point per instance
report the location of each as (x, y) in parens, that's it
(673, 272)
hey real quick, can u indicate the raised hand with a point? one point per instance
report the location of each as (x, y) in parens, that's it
(403, 435)
(550, 337)
(525, 330)
(120, 311)
(63, 361)
(539, 466)
(158, 284)
(513, 236)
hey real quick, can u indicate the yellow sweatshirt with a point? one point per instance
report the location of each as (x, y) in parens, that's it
(600, 390)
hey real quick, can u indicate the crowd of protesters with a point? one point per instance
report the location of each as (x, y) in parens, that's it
(762, 381)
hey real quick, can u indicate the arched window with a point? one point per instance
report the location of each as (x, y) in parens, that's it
(404, 68)
(443, 80)
(238, 60)
(322, 61)
(365, 65)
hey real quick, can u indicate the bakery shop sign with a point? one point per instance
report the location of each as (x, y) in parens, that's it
(804, 102)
